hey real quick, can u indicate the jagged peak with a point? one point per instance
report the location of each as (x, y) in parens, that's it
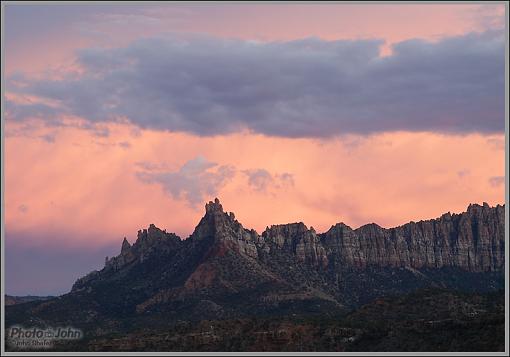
(289, 228)
(125, 246)
(148, 231)
(212, 207)
(218, 233)
(215, 208)
(341, 225)
(288, 225)
(446, 215)
(475, 206)
(369, 227)
(152, 235)
(215, 221)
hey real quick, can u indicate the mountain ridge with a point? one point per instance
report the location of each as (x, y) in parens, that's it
(222, 258)
(225, 271)
(313, 247)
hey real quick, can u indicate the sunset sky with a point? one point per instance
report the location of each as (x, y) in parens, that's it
(118, 116)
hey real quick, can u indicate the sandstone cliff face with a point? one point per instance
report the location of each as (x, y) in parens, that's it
(473, 240)
(296, 239)
(149, 241)
(225, 232)
(226, 271)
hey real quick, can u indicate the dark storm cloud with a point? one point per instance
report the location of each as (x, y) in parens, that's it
(304, 88)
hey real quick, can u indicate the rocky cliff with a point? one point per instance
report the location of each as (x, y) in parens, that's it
(225, 271)
(473, 240)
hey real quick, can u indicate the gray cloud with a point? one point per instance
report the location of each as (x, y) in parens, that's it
(286, 179)
(496, 181)
(463, 173)
(199, 179)
(23, 208)
(194, 182)
(261, 180)
(49, 138)
(124, 144)
(17, 111)
(303, 88)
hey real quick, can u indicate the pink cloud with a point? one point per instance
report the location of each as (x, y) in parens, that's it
(393, 23)
(75, 185)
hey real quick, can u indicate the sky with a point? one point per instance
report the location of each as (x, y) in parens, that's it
(119, 116)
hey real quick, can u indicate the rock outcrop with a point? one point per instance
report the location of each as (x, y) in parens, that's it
(224, 271)
(473, 240)
(296, 239)
(149, 241)
(225, 232)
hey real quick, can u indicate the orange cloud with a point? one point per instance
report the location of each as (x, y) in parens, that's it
(88, 184)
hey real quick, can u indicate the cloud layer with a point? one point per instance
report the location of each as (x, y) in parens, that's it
(199, 179)
(196, 179)
(261, 179)
(303, 88)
